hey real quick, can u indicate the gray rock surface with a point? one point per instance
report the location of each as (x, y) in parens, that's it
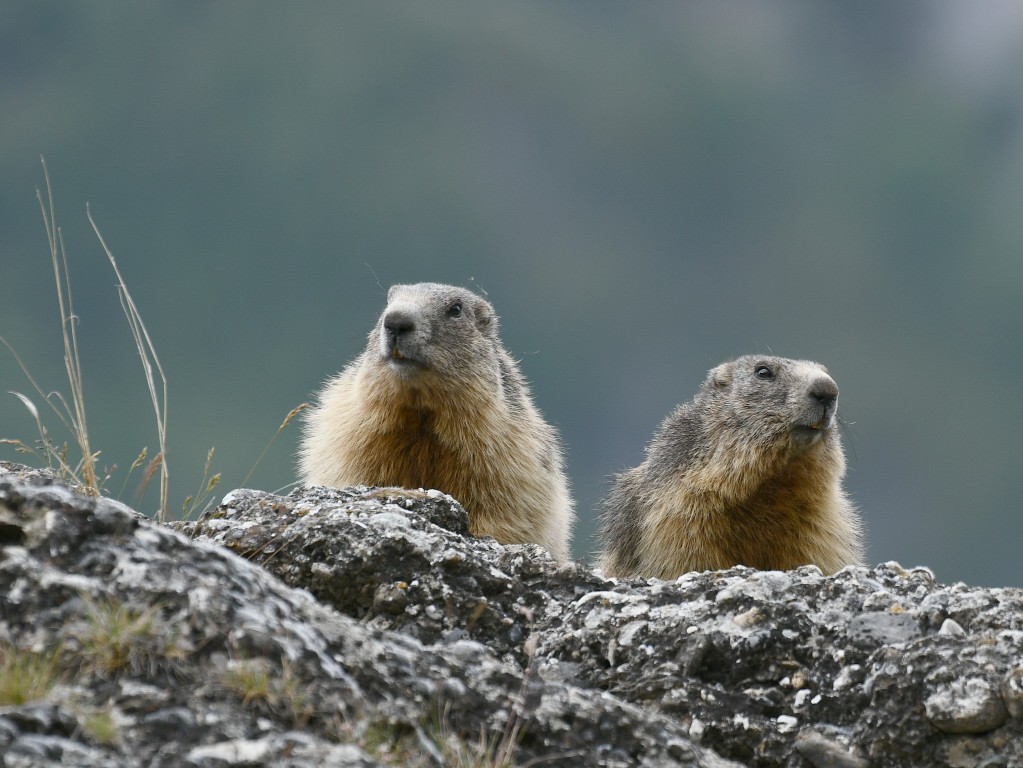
(364, 627)
(177, 652)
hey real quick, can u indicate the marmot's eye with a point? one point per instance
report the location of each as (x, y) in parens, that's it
(455, 310)
(763, 372)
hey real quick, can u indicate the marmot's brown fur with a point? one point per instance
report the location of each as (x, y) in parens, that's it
(747, 473)
(435, 401)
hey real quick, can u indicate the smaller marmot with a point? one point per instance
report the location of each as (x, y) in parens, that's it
(747, 473)
(435, 401)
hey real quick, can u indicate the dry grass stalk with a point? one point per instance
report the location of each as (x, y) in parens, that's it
(284, 424)
(150, 363)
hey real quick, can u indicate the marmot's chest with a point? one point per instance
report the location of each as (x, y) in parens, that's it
(767, 529)
(415, 450)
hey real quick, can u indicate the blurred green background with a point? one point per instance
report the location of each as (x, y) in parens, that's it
(642, 189)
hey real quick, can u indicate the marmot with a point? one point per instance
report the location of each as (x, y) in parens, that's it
(435, 401)
(747, 473)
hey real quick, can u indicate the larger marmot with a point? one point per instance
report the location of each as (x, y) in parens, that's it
(747, 473)
(435, 401)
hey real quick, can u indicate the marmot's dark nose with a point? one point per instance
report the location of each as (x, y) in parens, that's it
(825, 391)
(398, 323)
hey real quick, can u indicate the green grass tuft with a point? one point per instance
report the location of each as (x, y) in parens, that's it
(100, 727)
(259, 683)
(27, 676)
(112, 637)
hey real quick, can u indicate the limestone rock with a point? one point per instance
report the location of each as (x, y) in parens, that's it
(169, 652)
(397, 638)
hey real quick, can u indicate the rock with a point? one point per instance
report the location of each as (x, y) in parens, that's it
(190, 653)
(824, 752)
(885, 628)
(366, 625)
(970, 705)
(1012, 692)
(951, 627)
(397, 560)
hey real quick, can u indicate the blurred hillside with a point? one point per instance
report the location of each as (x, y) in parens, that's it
(643, 191)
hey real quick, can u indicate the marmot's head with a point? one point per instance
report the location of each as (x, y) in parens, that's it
(768, 398)
(441, 329)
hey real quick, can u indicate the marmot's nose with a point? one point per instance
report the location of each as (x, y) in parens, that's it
(398, 323)
(824, 390)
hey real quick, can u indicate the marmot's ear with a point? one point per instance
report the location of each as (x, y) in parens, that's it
(390, 292)
(720, 377)
(486, 318)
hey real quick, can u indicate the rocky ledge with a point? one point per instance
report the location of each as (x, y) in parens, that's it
(365, 627)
